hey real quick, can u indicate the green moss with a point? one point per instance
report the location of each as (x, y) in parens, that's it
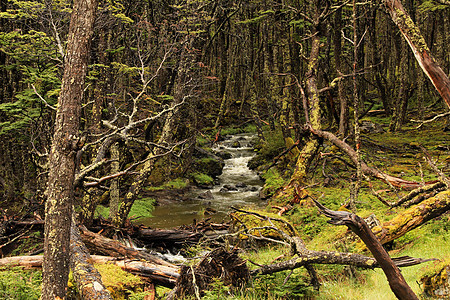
(142, 208)
(120, 283)
(201, 179)
(19, 284)
(272, 181)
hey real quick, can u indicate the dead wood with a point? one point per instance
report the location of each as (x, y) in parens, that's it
(159, 237)
(110, 247)
(391, 180)
(395, 278)
(414, 193)
(413, 217)
(159, 274)
(219, 263)
(87, 278)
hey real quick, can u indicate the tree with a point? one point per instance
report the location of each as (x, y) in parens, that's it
(66, 141)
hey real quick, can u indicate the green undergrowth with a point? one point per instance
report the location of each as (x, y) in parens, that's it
(142, 208)
(19, 284)
(178, 183)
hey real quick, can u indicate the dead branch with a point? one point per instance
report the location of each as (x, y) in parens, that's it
(394, 181)
(422, 122)
(395, 278)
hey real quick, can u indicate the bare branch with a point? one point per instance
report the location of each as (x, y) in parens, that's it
(430, 120)
(42, 99)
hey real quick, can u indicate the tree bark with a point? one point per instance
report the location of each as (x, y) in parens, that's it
(420, 49)
(58, 210)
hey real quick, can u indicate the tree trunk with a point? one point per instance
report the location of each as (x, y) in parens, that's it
(420, 49)
(58, 210)
(312, 114)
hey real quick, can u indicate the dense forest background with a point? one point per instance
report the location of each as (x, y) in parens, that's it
(164, 76)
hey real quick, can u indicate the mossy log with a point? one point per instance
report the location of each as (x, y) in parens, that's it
(413, 217)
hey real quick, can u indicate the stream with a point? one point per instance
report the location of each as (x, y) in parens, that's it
(237, 186)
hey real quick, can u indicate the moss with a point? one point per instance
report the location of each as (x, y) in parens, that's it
(273, 181)
(202, 180)
(119, 283)
(19, 284)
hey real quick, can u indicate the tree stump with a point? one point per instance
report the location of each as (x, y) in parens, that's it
(218, 264)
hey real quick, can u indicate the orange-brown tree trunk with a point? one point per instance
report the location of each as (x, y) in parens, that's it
(58, 208)
(419, 47)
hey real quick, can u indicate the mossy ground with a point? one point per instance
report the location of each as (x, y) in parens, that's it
(399, 154)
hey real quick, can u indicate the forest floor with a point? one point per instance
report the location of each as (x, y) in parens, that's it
(399, 154)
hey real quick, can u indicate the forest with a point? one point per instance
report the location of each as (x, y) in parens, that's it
(122, 122)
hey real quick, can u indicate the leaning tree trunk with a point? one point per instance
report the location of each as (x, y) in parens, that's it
(58, 209)
(420, 49)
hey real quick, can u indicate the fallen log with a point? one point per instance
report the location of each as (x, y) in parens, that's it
(114, 248)
(162, 275)
(158, 237)
(88, 280)
(413, 217)
(397, 282)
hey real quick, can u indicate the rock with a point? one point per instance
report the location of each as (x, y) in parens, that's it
(236, 144)
(370, 127)
(241, 185)
(224, 155)
(206, 196)
(209, 165)
(230, 187)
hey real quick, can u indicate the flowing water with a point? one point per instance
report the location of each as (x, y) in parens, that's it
(237, 186)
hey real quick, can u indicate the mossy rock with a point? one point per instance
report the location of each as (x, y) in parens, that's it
(256, 162)
(202, 180)
(209, 166)
(436, 282)
(258, 225)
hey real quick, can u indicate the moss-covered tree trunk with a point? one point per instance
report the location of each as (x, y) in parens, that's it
(309, 150)
(60, 191)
